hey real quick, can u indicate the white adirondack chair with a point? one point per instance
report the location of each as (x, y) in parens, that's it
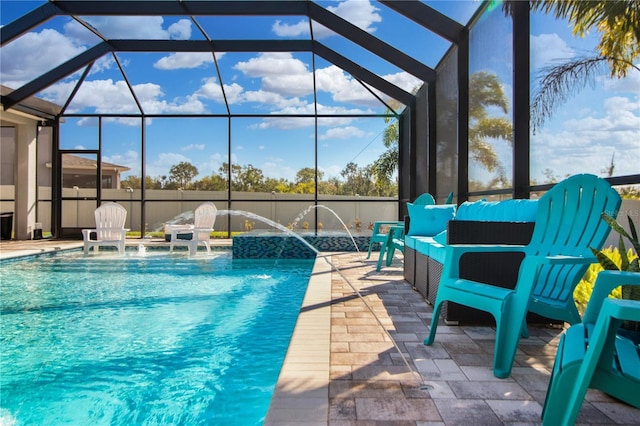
(198, 233)
(109, 230)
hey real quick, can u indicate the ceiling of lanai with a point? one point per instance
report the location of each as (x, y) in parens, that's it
(290, 57)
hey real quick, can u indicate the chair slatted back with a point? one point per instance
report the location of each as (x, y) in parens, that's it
(425, 199)
(568, 222)
(205, 216)
(110, 219)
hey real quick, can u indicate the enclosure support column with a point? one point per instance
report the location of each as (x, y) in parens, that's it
(25, 180)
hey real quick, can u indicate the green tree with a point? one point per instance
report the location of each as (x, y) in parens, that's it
(305, 181)
(215, 182)
(308, 174)
(133, 182)
(183, 173)
(384, 168)
(280, 185)
(357, 180)
(246, 178)
(486, 91)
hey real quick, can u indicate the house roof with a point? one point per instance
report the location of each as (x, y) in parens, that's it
(33, 105)
(75, 161)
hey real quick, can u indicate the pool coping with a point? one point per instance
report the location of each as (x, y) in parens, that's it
(301, 395)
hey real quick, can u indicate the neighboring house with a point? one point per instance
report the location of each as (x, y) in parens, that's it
(81, 172)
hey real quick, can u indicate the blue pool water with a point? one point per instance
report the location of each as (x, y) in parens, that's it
(157, 340)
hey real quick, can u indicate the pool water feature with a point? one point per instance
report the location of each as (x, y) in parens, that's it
(151, 339)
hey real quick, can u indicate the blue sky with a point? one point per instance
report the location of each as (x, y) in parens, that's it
(581, 137)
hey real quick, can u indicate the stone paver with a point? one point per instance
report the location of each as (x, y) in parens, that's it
(448, 383)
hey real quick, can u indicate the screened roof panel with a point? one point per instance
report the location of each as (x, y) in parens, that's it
(458, 10)
(375, 64)
(188, 72)
(254, 27)
(377, 43)
(42, 49)
(268, 82)
(336, 87)
(104, 91)
(144, 27)
(413, 39)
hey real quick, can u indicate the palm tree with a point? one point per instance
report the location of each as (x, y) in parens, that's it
(485, 90)
(617, 21)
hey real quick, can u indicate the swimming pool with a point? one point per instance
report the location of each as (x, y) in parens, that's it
(144, 340)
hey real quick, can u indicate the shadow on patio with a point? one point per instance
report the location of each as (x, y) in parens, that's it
(370, 382)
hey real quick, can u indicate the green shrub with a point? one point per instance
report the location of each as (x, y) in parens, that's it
(582, 293)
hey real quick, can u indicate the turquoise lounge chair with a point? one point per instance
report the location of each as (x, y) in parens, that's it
(380, 232)
(568, 222)
(394, 241)
(593, 355)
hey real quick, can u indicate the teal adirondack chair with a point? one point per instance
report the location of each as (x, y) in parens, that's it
(380, 232)
(425, 199)
(449, 199)
(395, 241)
(593, 354)
(568, 222)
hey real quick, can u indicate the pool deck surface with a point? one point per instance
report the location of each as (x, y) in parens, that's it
(343, 368)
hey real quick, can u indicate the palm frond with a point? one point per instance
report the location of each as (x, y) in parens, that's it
(559, 82)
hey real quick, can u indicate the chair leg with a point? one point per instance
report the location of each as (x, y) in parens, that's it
(390, 252)
(434, 323)
(525, 330)
(559, 389)
(507, 338)
(370, 248)
(383, 250)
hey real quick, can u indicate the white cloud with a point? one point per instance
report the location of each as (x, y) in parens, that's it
(129, 159)
(211, 90)
(180, 30)
(405, 81)
(285, 123)
(300, 29)
(331, 171)
(629, 84)
(586, 143)
(348, 132)
(280, 73)
(285, 81)
(107, 96)
(184, 60)
(163, 163)
(211, 164)
(277, 168)
(33, 54)
(193, 146)
(361, 13)
(134, 27)
(79, 34)
(547, 49)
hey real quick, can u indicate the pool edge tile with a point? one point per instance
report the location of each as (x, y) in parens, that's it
(299, 383)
